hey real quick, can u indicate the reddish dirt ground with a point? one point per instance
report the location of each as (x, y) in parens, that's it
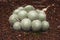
(53, 17)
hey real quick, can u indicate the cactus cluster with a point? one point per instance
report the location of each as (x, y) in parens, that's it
(27, 18)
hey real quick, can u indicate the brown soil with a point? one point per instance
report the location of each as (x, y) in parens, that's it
(53, 17)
